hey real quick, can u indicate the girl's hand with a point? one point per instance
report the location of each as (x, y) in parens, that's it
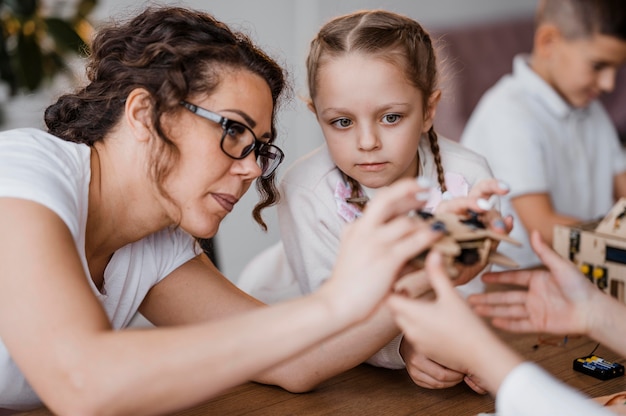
(425, 372)
(429, 374)
(481, 200)
(481, 203)
(414, 284)
(446, 331)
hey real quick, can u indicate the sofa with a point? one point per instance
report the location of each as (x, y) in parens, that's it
(473, 57)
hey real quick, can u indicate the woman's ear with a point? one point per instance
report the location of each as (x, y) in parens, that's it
(138, 113)
(431, 110)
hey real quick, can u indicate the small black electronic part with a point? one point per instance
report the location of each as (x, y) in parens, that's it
(474, 221)
(425, 215)
(598, 367)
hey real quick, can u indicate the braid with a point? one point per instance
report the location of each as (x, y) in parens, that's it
(382, 34)
(434, 148)
(356, 193)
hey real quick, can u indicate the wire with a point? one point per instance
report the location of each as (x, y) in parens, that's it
(595, 348)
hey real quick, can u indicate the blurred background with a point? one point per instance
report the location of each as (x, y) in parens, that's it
(476, 40)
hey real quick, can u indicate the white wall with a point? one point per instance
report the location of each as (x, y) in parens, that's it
(284, 28)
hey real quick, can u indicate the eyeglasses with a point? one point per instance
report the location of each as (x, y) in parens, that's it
(238, 141)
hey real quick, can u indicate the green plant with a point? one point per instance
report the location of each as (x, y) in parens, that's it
(34, 47)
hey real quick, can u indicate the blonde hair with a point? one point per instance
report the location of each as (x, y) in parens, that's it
(386, 35)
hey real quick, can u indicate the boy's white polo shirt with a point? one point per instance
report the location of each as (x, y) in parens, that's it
(537, 143)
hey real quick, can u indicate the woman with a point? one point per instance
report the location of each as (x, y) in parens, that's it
(99, 217)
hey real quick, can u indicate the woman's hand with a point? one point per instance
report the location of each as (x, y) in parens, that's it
(375, 249)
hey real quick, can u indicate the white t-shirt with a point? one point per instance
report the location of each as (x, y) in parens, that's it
(312, 213)
(529, 390)
(40, 167)
(537, 143)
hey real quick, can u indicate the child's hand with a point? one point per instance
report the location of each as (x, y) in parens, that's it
(428, 374)
(425, 372)
(557, 301)
(480, 200)
(447, 331)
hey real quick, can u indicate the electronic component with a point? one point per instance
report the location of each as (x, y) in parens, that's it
(598, 367)
(598, 248)
(466, 241)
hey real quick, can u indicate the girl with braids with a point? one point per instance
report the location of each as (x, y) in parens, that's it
(372, 83)
(100, 216)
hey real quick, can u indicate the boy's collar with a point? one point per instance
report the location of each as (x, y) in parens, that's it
(539, 87)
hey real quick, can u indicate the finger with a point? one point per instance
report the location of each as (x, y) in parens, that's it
(467, 273)
(397, 199)
(433, 375)
(413, 284)
(439, 278)
(513, 277)
(494, 219)
(504, 297)
(547, 256)
(462, 204)
(474, 385)
(427, 382)
(406, 312)
(508, 312)
(509, 222)
(488, 187)
(514, 325)
(420, 239)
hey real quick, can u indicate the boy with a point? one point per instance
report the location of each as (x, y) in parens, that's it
(542, 128)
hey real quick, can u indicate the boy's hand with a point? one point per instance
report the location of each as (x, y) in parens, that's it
(557, 300)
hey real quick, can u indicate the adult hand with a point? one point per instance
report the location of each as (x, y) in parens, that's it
(558, 300)
(375, 249)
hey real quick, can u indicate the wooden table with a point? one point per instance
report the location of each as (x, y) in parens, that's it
(366, 390)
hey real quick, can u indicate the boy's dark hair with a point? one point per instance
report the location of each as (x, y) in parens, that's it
(585, 18)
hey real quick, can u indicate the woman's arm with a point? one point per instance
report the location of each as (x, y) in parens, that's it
(77, 364)
(198, 292)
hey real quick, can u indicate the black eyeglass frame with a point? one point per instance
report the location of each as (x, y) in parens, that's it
(261, 149)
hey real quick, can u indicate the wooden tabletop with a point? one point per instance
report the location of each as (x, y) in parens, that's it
(367, 390)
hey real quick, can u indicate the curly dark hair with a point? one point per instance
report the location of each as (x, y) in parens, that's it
(172, 53)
